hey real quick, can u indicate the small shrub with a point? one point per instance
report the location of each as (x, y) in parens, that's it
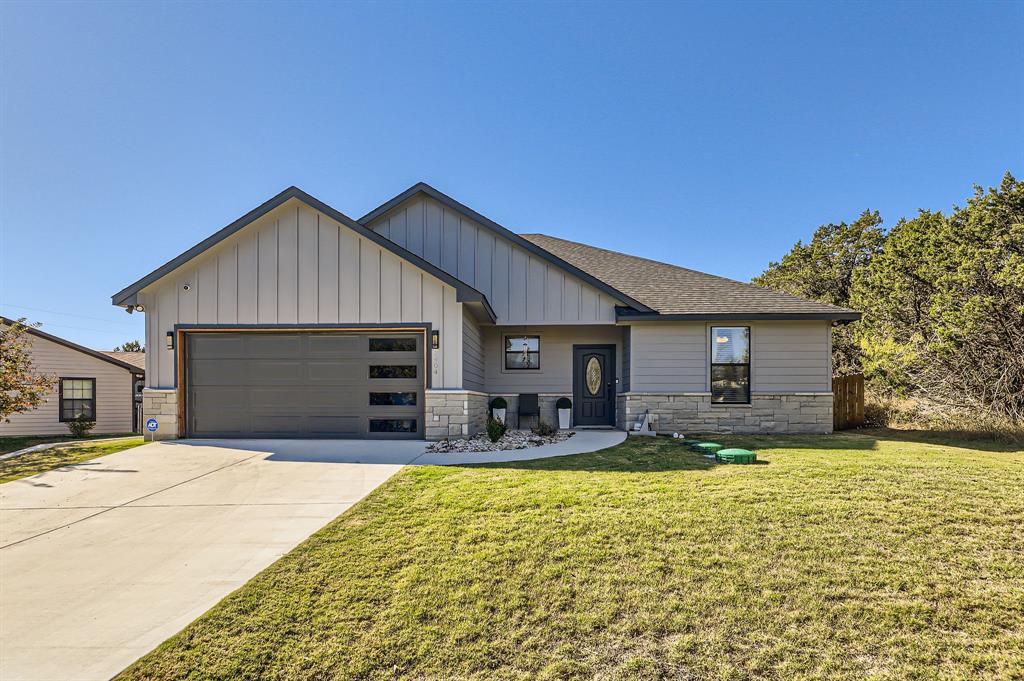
(543, 429)
(495, 429)
(499, 403)
(563, 403)
(81, 425)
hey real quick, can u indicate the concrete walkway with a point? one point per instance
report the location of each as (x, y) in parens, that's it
(102, 561)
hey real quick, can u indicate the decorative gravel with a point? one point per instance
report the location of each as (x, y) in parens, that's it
(512, 439)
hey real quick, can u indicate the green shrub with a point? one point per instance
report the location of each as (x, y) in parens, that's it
(495, 429)
(544, 429)
(81, 425)
(563, 403)
(499, 403)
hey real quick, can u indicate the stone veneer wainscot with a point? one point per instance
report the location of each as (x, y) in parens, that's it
(454, 413)
(694, 413)
(162, 405)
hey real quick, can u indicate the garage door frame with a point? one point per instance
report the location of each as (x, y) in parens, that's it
(181, 345)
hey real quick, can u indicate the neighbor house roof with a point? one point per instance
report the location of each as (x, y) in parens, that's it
(135, 369)
(137, 359)
(463, 291)
(678, 293)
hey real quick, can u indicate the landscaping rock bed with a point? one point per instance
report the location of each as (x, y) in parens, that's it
(513, 439)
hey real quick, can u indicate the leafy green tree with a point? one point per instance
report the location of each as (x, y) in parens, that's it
(944, 305)
(130, 346)
(21, 387)
(825, 269)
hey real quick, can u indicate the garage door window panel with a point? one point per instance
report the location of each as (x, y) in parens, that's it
(406, 371)
(392, 425)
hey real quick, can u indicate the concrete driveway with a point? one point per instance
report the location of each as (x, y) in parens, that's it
(100, 562)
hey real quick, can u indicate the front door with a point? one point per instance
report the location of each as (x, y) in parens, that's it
(593, 385)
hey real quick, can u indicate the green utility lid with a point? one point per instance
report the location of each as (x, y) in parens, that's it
(735, 456)
(707, 447)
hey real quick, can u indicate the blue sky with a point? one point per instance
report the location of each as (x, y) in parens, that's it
(709, 135)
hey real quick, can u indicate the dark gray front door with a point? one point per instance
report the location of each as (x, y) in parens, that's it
(593, 380)
(304, 384)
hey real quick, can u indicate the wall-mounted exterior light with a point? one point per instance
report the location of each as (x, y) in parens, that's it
(435, 339)
(140, 308)
(170, 340)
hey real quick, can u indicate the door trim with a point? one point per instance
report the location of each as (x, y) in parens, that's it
(181, 358)
(610, 347)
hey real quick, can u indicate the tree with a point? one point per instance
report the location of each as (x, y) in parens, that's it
(130, 346)
(944, 305)
(825, 269)
(21, 388)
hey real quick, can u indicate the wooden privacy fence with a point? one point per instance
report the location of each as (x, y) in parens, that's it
(848, 401)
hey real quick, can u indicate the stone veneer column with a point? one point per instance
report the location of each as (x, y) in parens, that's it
(162, 405)
(767, 413)
(454, 413)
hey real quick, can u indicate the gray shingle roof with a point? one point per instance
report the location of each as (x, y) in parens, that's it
(134, 358)
(674, 290)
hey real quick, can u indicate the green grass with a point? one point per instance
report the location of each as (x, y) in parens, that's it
(44, 460)
(13, 444)
(841, 557)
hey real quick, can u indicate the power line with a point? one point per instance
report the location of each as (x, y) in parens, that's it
(65, 314)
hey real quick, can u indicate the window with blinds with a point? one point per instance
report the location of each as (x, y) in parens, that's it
(730, 364)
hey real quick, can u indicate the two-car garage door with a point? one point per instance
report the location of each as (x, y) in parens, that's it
(304, 384)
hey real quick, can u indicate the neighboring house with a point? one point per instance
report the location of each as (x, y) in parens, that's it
(298, 321)
(102, 385)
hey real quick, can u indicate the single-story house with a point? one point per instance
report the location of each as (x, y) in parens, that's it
(298, 321)
(104, 386)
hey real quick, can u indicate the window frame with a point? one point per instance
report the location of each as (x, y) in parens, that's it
(712, 364)
(505, 352)
(60, 396)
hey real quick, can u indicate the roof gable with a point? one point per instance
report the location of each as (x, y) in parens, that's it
(422, 188)
(464, 292)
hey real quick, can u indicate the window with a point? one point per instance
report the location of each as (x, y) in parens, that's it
(77, 397)
(730, 364)
(392, 345)
(392, 371)
(392, 425)
(522, 352)
(392, 399)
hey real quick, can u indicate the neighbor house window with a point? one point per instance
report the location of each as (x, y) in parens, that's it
(730, 364)
(77, 398)
(522, 352)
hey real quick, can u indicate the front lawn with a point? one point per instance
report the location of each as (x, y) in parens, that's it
(44, 460)
(16, 442)
(840, 557)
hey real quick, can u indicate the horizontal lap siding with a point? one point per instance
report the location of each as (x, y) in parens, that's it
(521, 287)
(791, 357)
(668, 357)
(298, 266)
(785, 356)
(555, 374)
(114, 400)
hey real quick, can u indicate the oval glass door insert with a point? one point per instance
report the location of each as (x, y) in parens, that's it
(593, 375)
